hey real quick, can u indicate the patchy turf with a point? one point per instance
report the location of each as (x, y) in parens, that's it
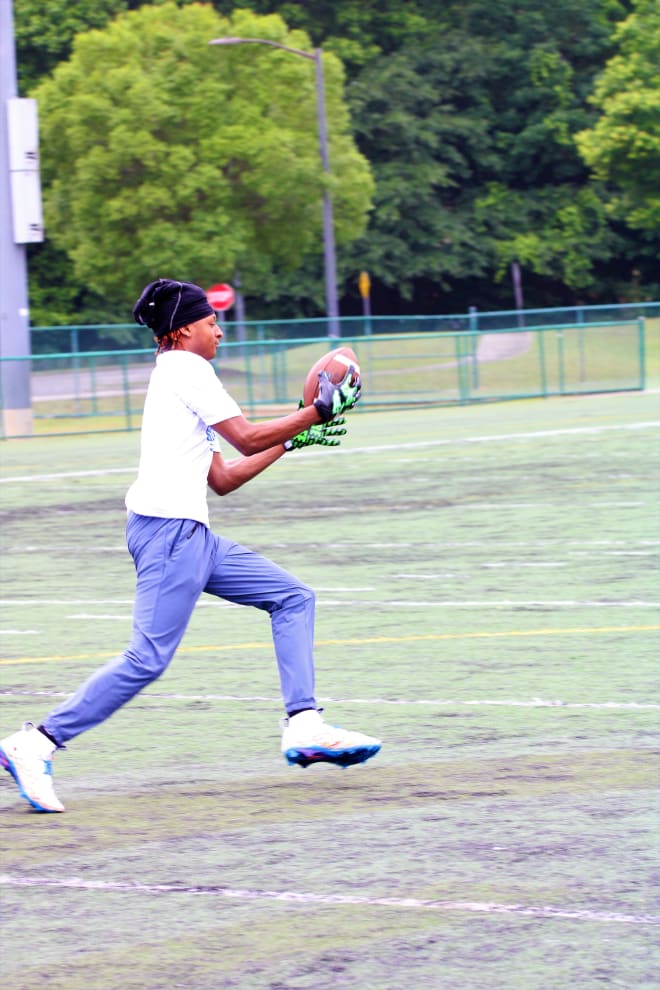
(487, 602)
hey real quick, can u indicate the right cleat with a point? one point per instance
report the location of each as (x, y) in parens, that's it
(26, 755)
(307, 739)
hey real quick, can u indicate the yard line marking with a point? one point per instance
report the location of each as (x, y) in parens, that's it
(369, 603)
(490, 545)
(79, 616)
(626, 706)
(304, 898)
(358, 641)
(412, 445)
(99, 473)
(523, 563)
(37, 602)
(501, 603)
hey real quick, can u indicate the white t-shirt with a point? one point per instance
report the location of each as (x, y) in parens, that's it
(184, 398)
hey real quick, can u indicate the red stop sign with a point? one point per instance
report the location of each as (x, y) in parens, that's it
(221, 296)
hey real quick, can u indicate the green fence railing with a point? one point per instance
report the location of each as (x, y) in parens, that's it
(86, 391)
(111, 336)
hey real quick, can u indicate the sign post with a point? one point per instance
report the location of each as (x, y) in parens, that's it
(364, 284)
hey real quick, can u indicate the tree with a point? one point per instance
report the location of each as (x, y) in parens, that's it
(623, 146)
(164, 156)
(45, 30)
(422, 114)
(469, 128)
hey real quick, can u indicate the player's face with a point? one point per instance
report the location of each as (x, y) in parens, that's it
(205, 335)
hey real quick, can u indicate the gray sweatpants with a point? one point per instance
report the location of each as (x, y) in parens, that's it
(176, 560)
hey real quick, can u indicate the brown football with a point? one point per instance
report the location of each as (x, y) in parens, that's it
(335, 363)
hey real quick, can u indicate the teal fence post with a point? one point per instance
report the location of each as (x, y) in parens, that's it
(641, 344)
(92, 385)
(560, 361)
(463, 390)
(248, 377)
(580, 320)
(127, 392)
(474, 341)
(75, 347)
(542, 367)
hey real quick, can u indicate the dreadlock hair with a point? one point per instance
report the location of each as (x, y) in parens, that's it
(168, 341)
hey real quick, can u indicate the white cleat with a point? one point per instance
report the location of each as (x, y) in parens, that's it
(306, 739)
(26, 755)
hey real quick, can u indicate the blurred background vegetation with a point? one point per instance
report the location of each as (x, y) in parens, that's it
(464, 137)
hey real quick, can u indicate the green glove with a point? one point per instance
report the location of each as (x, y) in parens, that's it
(333, 400)
(323, 434)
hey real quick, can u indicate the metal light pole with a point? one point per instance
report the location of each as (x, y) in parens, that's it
(329, 253)
(16, 198)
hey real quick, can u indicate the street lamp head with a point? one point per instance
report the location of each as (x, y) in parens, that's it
(264, 41)
(228, 41)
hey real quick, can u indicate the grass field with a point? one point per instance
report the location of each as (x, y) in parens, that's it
(487, 604)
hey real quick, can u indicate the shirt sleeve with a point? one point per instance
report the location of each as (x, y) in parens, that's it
(214, 440)
(204, 393)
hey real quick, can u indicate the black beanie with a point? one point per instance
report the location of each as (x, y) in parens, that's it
(166, 305)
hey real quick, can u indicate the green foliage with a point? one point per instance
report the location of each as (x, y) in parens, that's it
(421, 114)
(44, 31)
(162, 155)
(57, 297)
(467, 111)
(485, 103)
(623, 147)
(557, 232)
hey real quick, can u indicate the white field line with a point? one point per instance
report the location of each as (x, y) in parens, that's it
(304, 898)
(376, 449)
(399, 702)
(585, 547)
(364, 603)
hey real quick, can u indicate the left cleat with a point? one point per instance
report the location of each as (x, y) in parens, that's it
(306, 739)
(26, 755)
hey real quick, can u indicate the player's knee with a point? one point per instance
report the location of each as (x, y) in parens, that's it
(147, 661)
(306, 595)
(299, 597)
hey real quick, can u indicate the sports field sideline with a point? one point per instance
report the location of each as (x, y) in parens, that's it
(488, 605)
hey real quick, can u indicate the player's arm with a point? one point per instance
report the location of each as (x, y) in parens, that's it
(331, 400)
(226, 476)
(252, 438)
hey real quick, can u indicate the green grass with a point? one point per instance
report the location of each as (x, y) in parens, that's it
(487, 603)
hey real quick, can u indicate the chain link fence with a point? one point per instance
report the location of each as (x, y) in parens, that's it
(95, 390)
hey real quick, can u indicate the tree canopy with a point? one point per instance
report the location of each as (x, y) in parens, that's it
(623, 147)
(482, 132)
(45, 30)
(164, 156)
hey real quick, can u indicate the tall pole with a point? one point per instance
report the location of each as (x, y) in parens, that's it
(15, 401)
(329, 250)
(329, 253)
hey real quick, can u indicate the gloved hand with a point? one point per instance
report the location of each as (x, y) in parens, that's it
(333, 400)
(323, 434)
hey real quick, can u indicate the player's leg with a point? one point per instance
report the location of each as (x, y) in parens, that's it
(247, 578)
(172, 558)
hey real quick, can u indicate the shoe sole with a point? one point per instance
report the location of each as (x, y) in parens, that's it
(9, 766)
(340, 757)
